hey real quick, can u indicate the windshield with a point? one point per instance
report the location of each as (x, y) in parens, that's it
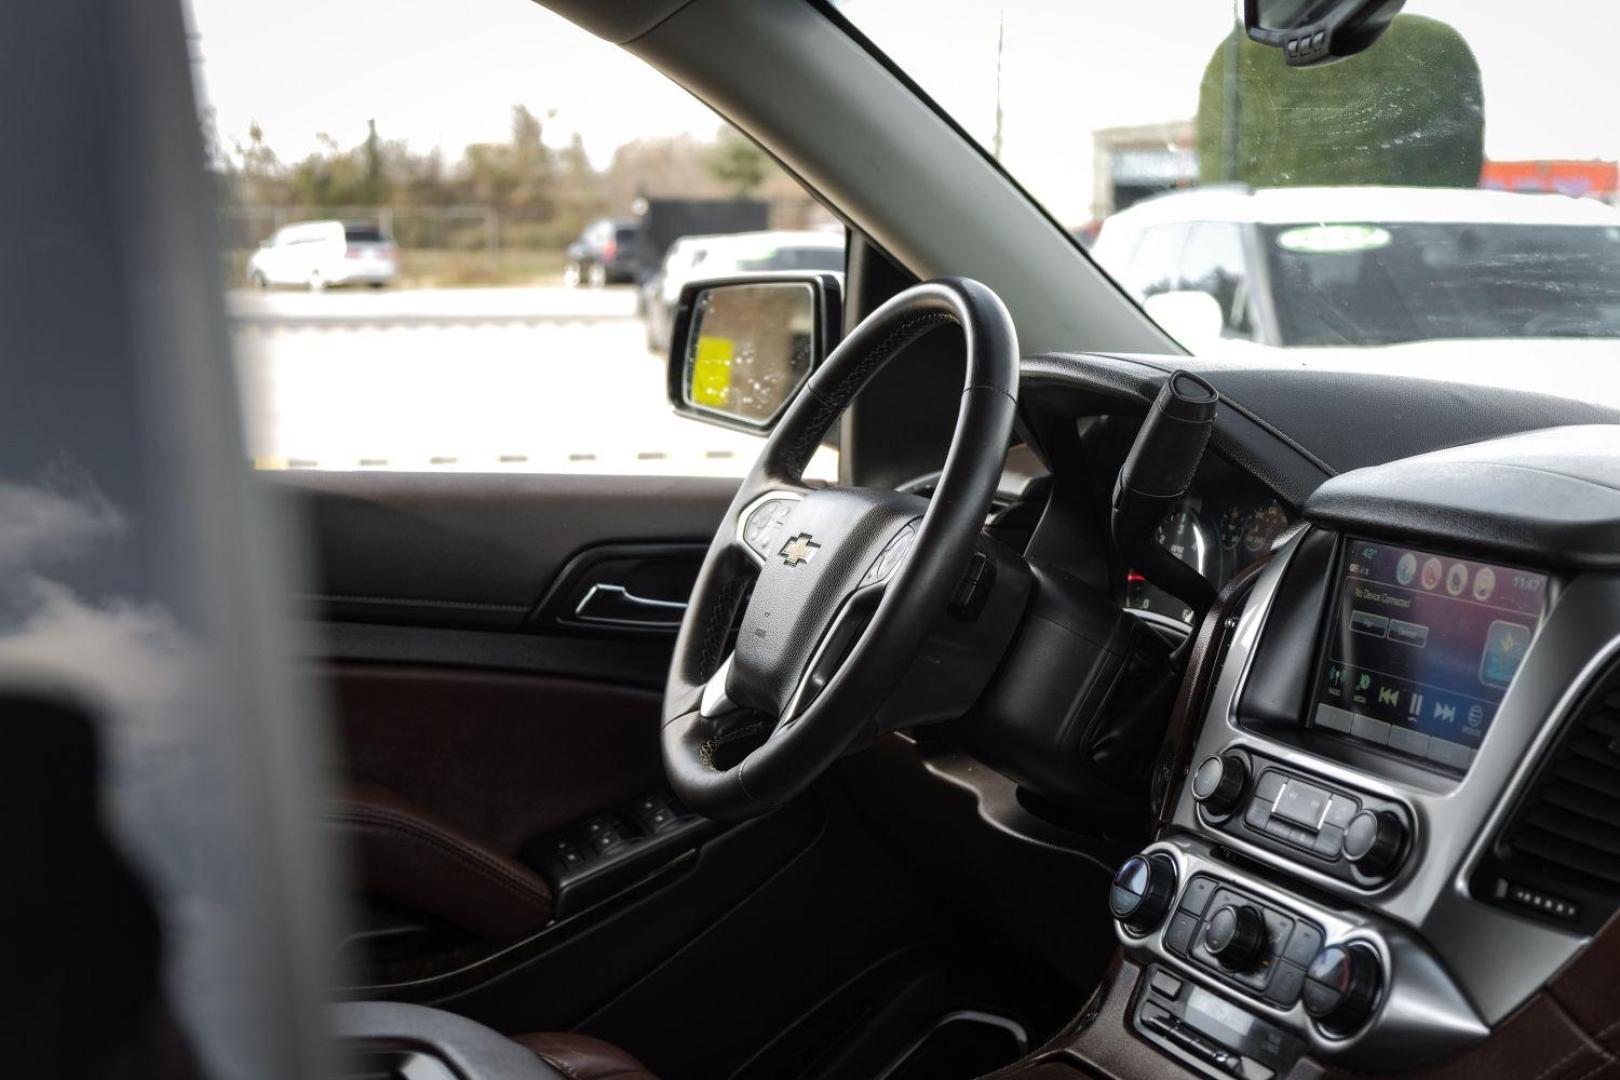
(1456, 181)
(1411, 282)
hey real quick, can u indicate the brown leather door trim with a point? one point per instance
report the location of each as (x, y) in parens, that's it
(500, 757)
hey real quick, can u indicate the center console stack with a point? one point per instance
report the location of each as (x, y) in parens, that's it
(1397, 822)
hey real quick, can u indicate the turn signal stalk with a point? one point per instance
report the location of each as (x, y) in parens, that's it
(1156, 475)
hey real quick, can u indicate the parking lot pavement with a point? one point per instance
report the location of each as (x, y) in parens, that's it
(574, 392)
(365, 307)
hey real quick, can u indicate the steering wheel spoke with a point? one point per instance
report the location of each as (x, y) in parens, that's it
(845, 629)
(716, 703)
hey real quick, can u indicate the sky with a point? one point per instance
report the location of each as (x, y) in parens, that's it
(446, 73)
(442, 73)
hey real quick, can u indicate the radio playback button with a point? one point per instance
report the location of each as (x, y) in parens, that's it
(1329, 842)
(1341, 810)
(1294, 834)
(1258, 813)
(1302, 803)
(1269, 786)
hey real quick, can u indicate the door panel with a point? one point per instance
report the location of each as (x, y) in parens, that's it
(502, 757)
(487, 705)
(479, 550)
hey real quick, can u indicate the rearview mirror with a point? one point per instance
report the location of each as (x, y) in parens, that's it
(1318, 31)
(741, 347)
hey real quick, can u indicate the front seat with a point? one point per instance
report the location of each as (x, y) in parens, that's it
(471, 1050)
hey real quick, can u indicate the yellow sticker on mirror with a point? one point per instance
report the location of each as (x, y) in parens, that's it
(711, 370)
(1333, 239)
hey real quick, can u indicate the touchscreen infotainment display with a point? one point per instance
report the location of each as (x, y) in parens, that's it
(1421, 649)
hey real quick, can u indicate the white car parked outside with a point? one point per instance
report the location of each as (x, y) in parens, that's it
(1355, 267)
(316, 254)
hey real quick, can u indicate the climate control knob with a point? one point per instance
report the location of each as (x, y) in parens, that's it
(1341, 987)
(1219, 782)
(1142, 892)
(1235, 935)
(1375, 840)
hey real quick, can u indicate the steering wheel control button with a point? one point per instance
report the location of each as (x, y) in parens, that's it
(890, 558)
(759, 529)
(974, 588)
(1219, 782)
(1374, 842)
(1341, 988)
(1235, 936)
(1142, 891)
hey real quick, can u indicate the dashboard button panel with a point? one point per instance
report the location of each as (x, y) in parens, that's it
(1248, 942)
(1313, 820)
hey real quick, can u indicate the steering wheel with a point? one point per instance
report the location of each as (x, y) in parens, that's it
(847, 582)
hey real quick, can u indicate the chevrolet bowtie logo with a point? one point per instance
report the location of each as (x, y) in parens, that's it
(800, 549)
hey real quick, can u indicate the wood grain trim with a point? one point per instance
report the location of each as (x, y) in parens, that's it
(1187, 713)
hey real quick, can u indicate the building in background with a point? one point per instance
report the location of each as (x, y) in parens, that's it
(1582, 179)
(1131, 163)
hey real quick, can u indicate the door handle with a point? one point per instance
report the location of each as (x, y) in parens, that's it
(614, 605)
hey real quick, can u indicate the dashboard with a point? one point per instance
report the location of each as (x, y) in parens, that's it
(1396, 824)
(1381, 774)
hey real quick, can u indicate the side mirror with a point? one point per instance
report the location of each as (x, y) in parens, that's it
(1318, 31)
(741, 347)
(1190, 317)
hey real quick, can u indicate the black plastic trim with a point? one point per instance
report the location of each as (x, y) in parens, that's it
(1549, 497)
(639, 662)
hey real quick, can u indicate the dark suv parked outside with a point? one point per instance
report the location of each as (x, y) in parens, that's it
(607, 252)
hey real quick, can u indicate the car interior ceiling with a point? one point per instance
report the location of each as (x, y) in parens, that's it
(1058, 803)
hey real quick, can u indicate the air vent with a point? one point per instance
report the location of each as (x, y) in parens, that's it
(1559, 856)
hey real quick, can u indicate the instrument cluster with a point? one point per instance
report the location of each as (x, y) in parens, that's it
(1217, 534)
